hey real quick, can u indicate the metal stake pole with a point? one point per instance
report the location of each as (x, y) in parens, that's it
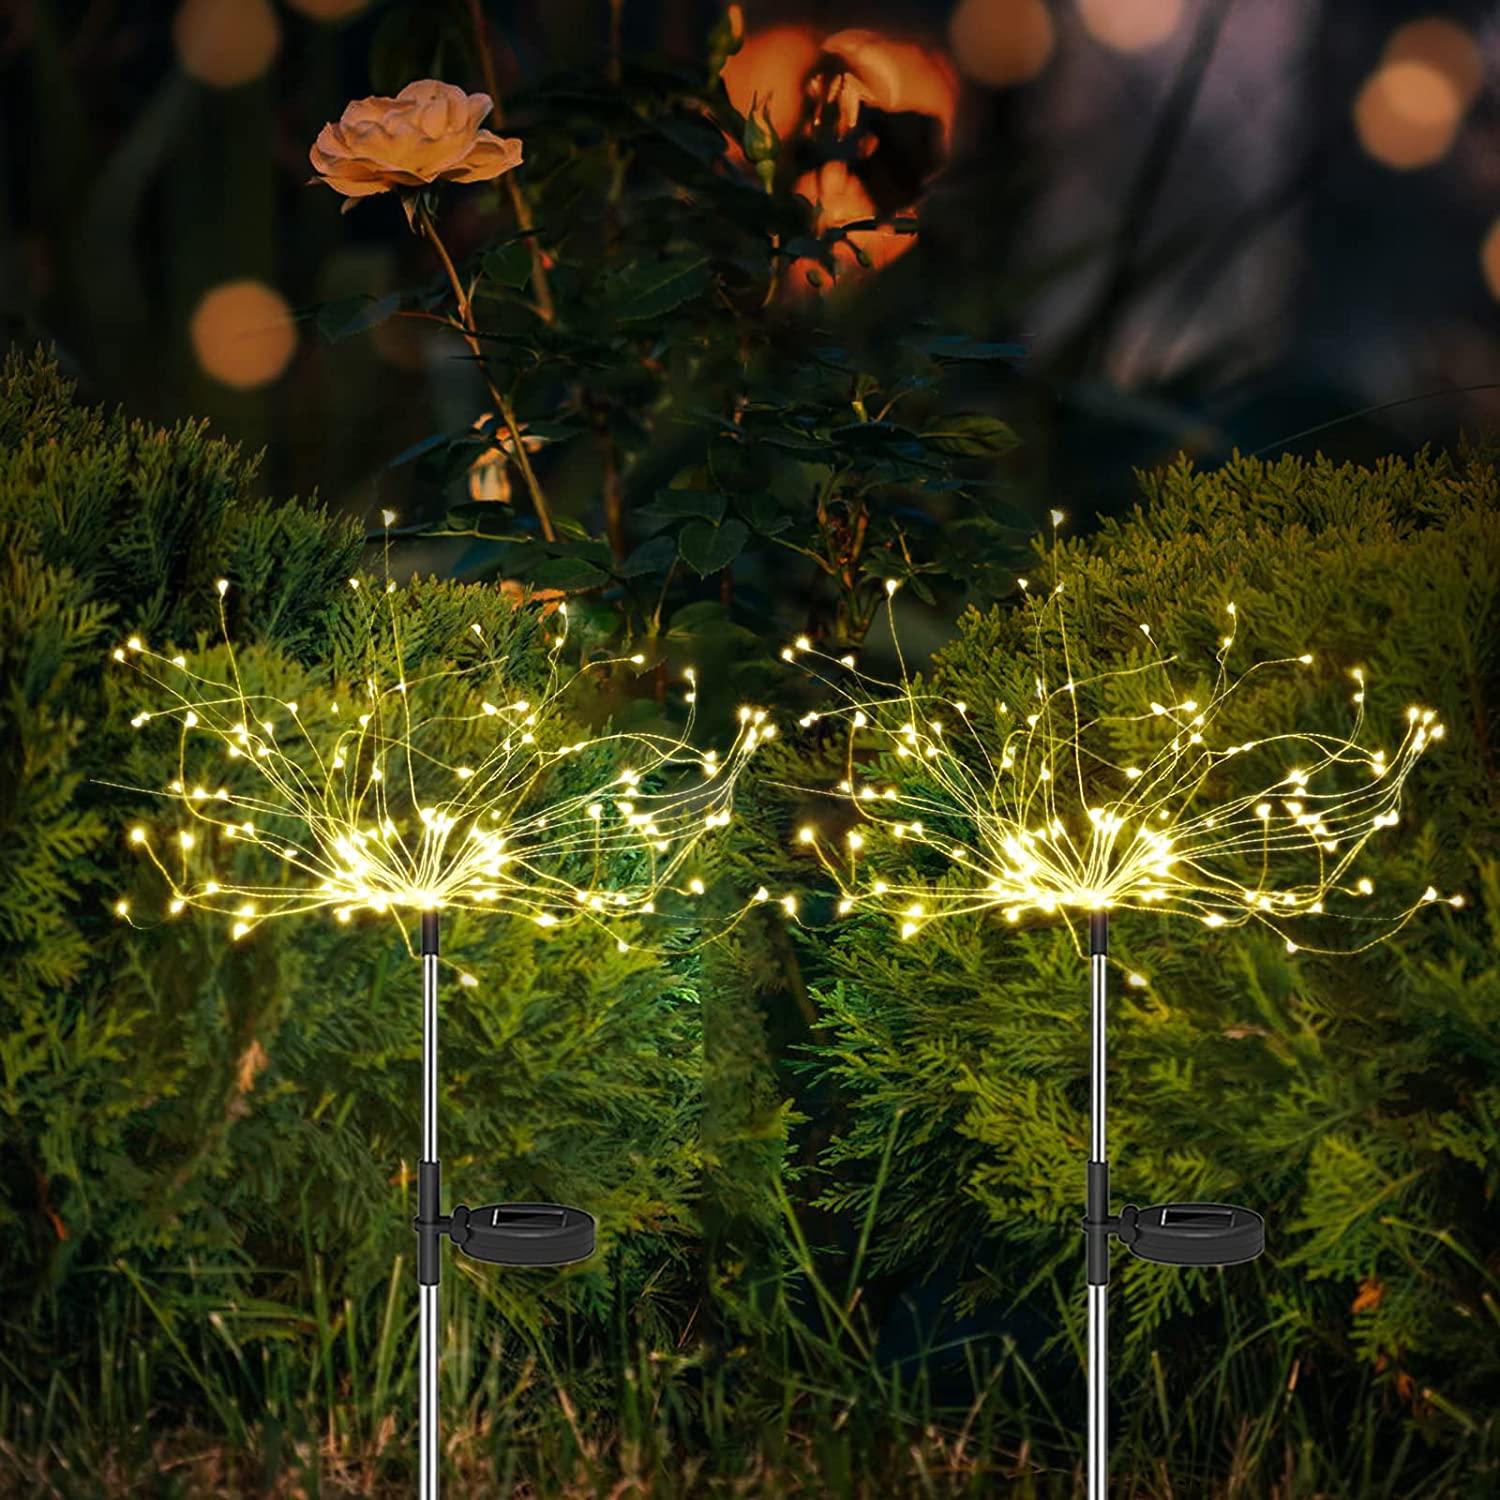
(504, 1234)
(1172, 1234)
(428, 1194)
(1098, 1211)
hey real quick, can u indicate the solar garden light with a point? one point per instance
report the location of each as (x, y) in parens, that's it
(1028, 812)
(349, 802)
(504, 1234)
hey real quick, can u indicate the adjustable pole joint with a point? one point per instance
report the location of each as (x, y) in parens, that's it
(1099, 1224)
(429, 1223)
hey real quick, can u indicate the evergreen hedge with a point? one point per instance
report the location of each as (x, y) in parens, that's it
(1354, 1101)
(172, 1100)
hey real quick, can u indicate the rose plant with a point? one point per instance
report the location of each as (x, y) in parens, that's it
(429, 133)
(713, 434)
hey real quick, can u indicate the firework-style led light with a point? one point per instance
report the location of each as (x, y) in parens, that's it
(1027, 809)
(352, 811)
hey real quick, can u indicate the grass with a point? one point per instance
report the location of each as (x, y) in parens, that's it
(512, 1428)
(189, 1392)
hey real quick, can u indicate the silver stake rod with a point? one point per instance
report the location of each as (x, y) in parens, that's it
(1098, 1213)
(503, 1234)
(428, 1193)
(1172, 1234)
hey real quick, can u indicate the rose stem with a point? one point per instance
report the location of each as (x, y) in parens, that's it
(502, 405)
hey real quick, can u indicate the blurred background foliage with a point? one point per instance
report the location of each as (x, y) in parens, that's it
(1212, 226)
(787, 300)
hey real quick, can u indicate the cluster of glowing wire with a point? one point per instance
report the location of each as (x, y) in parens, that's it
(352, 807)
(1025, 809)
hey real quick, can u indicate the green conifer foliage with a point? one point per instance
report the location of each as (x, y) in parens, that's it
(169, 1097)
(1354, 1101)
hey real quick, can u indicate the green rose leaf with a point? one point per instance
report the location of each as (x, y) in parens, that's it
(346, 316)
(970, 435)
(566, 573)
(682, 505)
(509, 265)
(648, 291)
(763, 513)
(707, 548)
(654, 556)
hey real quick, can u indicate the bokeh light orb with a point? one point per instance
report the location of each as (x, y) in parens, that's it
(242, 334)
(327, 10)
(1000, 43)
(1489, 260)
(1130, 25)
(1407, 115)
(225, 43)
(1445, 46)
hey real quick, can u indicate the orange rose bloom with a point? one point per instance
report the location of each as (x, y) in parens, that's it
(428, 133)
(898, 77)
